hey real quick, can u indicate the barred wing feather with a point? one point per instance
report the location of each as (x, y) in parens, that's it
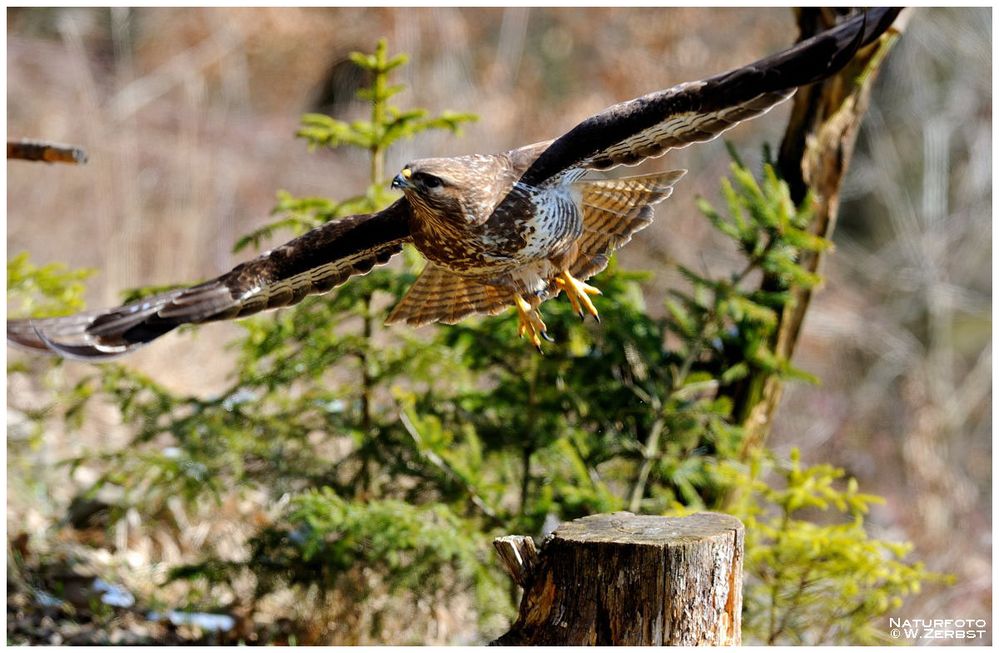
(312, 263)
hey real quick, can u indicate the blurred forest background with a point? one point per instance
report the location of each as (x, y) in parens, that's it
(188, 117)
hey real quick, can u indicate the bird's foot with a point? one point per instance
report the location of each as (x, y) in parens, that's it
(578, 293)
(531, 324)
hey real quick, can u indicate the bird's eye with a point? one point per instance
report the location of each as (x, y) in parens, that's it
(429, 181)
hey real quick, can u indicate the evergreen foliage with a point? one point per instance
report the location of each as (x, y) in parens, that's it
(46, 291)
(815, 583)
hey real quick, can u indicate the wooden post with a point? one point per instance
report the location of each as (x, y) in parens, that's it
(625, 579)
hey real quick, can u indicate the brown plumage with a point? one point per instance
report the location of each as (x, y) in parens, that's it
(612, 210)
(515, 228)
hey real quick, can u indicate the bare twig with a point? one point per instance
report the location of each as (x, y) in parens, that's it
(25, 150)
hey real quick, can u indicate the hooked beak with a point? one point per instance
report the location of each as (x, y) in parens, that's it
(401, 181)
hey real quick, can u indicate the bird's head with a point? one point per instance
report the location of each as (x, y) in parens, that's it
(426, 178)
(456, 189)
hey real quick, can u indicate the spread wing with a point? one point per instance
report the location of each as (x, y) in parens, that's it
(312, 263)
(649, 126)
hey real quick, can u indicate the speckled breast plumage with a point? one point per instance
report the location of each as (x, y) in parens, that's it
(513, 245)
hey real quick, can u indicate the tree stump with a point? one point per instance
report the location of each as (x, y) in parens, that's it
(625, 579)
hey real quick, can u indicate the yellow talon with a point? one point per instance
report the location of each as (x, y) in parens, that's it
(578, 293)
(531, 324)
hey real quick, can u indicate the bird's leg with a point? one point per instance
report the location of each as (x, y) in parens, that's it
(531, 324)
(578, 293)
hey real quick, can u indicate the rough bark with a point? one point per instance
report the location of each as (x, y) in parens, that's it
(814, 156)
(625, 579)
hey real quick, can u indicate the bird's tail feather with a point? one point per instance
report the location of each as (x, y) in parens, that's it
(439, 295)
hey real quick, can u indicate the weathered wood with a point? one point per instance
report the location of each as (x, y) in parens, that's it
(814, 157)
(625, 579)
(518, 555)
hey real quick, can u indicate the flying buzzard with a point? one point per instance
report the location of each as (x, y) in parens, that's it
(515, 228)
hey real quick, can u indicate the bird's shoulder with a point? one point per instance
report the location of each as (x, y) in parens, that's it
(521, 158)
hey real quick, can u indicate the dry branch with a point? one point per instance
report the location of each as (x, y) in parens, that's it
(814, 156)
(44, 151)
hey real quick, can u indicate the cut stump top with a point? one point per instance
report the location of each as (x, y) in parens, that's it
(649, 530)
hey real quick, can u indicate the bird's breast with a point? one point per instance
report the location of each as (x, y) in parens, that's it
(459, 247)
(535, 226)
(552, 225)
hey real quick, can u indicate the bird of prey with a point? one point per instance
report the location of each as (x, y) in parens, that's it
(515, 228)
